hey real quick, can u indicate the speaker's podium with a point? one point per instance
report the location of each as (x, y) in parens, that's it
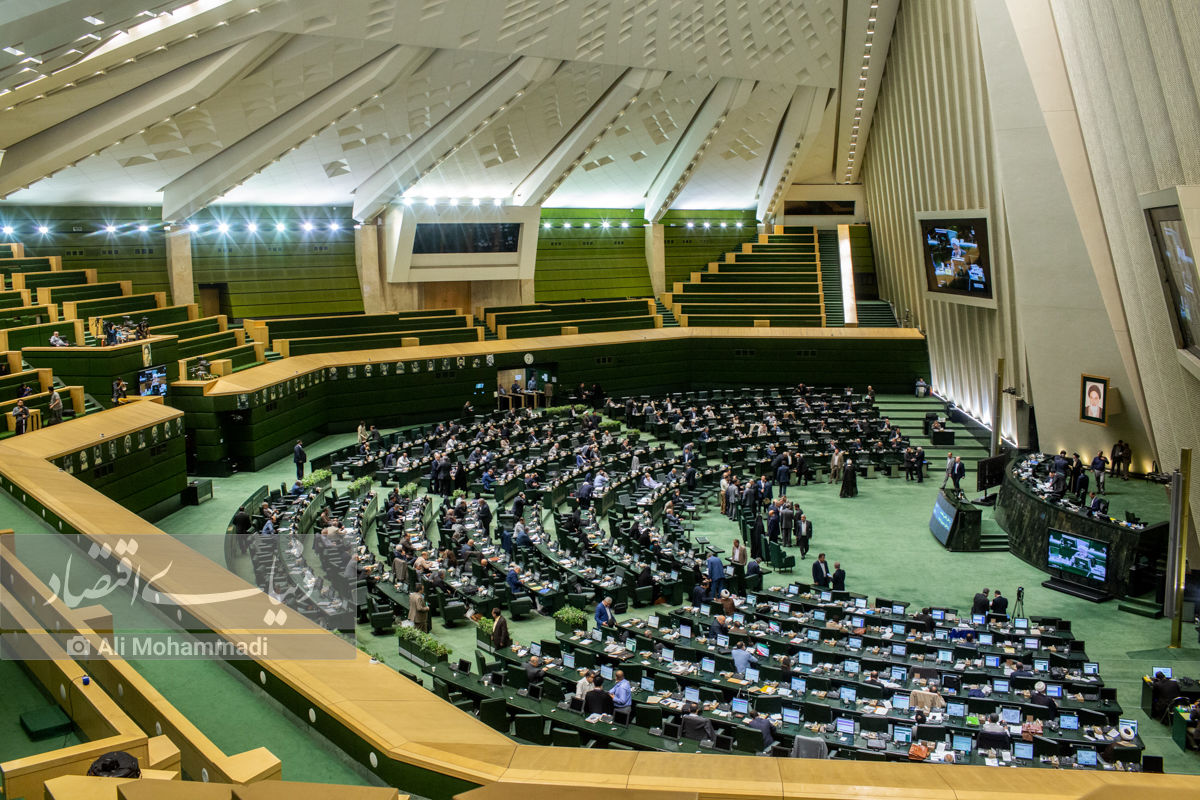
(955, 522)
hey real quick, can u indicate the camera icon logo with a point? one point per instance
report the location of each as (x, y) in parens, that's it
(78, 647)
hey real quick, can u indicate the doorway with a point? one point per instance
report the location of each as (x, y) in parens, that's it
(214, 299)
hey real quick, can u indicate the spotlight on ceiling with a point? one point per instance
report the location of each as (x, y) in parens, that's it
(474, 201)
(193, 228)
(724, 225)
(143, 228)
(307, 226)
(587, 224)
(431, 201)
(547, 225)
(279, 226)
(334, 226)
(566, 224)
(624, 224)
(453, 201)
(708, 224)
(110, 228)
(252, 227)
(8, 229)
(604, 224)
(498, 201)
(739, 224)
(691, 224)
(408, 201)
(42, 229)
(222, 227)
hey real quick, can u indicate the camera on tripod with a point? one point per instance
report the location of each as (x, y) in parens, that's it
(1020, 593)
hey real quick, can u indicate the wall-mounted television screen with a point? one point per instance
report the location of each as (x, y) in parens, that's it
(152, 381)
(466, 237)
(956, 256)
(1076, 555)
(989, 472)
(942, 521)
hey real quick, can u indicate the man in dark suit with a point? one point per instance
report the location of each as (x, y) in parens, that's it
(820, 571)
(585, 492)
(980, 603)
(1000, 604)
(241, 529)
(597, 701)
(1164, 690)
(518, 506)
(958, 471)
(1039, 697)
(533, 671)
(804, 531)
(299, 457)
(838, 579)
(773, 526)
(485, 516)
(787, 520)
(763, 726)
(694, 726)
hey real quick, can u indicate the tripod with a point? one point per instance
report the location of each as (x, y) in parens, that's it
(1019, 607)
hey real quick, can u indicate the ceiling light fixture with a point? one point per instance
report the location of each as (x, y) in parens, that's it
(193, 228)
(624, 224)
(474, 201)
(691, 224)
(604, 224)
(408, 201)
(566, 224)
(334, 226)
(307, 226)
(8, 229)
(222, 227)
(587, 224)
(252, 227)
(499, 201)
(110, 228)
(547, 225)
(280, 227)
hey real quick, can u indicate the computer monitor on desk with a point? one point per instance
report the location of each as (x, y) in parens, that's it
(739, 705)
(1166, 671)
(691, 694)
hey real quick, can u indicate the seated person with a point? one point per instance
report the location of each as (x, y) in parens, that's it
(533, 671)
(763, 726)
(1164, 690)
(1039, 697)
(694, 726)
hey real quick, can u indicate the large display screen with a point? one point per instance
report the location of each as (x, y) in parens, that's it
(1179, 270)
(942, 521)
(956, 257)
(989, 472)
(1077, 555)
(466, 237)
(152, 381)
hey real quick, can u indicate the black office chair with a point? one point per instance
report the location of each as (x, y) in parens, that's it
(531, 728)
(869, 755)
(623, 716)
(723, 743)
(565, 737)
(1044, 747)
(648, 716)
(989, 740)
(672, 730)
(493, 711)
(748, 740)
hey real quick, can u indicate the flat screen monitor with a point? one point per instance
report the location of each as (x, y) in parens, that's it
(898, 628)
(858, 622)
(956, 256)
(751, 600)
(1068, 722)
(647, 684)
(806, 658)
(900, 650)
(902, 734)
(152, 381)
(691, 694)
(569, 660)
(961, 743)
(1022, 751)
(1128, 723)
(1089, 668)
(1043, 665)
(900, 702)
(773, 626)
(668, 654)
(708, 665)
(606, 671)
(739, 618)
(1021, 624)
(956, 709)
(791, 716)
(854, 643)
(1166, 671)
(941, 634)
(989, 472)
(826, 597)
(899, 675)
(812, 634)
(535, 649)
(685, 631)
(1000, 685)
(597, 634)
(631, 645)
(793, 588)
(1011, 715)
(845, 725)
(819, 615)
(739, 705)
(979, 619)
(941, 522)
(752, 674)
(1054, 690)
(850, 666)
(986, 639)
(722, 640)
(799, 685)
(1077, 555)
(761, 650)
(945, 656)
(1085, 756)
(652, 620)
(784, 607)
(860, 602)
(991, 661)
(898, 609)
(1032, 643)
(938, 614)
(848, 694)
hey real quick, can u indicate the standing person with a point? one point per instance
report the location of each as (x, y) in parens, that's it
(850, 480)
(500, 637)
(820, 571)
(1099, 470)
(803, 534)
(836, 462)
(362, 432)
(55, 407)
(949, 469)
(787, 522)
(737, 553)
(716, 574)
(20, 418)
(783, 475)
(838, 579)
(299, 457)
(1126, 460)
(418, 610)
(604, 613)
(919, 461)
(958, 471)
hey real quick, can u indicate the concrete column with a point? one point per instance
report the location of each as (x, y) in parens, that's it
(179, 267)
(656, 257)
(366, 261)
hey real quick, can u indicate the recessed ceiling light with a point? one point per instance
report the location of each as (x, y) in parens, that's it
(547, 225)
(708, 224)
(252, 227)
(308, 226)
(587, 224)
(723, 224)
(408, 201)
(739, 224)
(604, 224)
(566, 224)
(334, 226)
(431, 201)
(193, 228)
(222, 227)
(279, 226)
(8, 229)
(474, 201)
(12, 51)
(498, 201)
(453, 201)
(94, 21)
(691, 224)
(624, 224)
(110, 228)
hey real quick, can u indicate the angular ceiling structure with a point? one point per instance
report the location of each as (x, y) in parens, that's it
(652, 104)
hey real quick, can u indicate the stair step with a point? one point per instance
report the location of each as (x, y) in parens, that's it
(1141, 607)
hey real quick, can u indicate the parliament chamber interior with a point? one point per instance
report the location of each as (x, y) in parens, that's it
(581, 398)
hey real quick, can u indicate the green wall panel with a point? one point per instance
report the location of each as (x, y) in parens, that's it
(270, 273)
(77, 233)
(689, 250)
(579, 263)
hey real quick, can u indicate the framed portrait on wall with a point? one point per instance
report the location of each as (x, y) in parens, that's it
(1093, 399)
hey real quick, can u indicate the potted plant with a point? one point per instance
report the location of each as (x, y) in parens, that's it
(317, 479)
(483, 633)
(457, 493)
(409, 490)
(360, 486)
(421, 648)
(569, 619)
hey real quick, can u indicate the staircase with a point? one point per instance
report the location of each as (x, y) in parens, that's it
(668, 318)
(271, 355)
(992, 538)
(489, 335)
(831, 278)
(876, 314)
(1145, 606)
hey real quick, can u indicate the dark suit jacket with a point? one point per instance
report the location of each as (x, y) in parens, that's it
(500, 637)
(764, 726)
(839, 580)
(694, 726)
(979, 605)
(820, 573)
(298, 455)
(597, 701)
(1000, 605)
(804, 529)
